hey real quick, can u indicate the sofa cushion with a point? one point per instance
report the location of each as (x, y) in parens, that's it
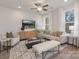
(57, 33)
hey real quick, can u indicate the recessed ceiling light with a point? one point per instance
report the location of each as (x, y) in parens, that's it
(19, 6)
(65, 0)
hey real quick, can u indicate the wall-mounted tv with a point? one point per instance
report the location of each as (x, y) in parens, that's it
(28, 24)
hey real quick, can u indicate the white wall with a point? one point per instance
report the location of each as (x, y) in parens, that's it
(58, 20)
(76, 9)
(55, 20)
(10, 19)
(61, 20)
(50, 21)
(76, 12)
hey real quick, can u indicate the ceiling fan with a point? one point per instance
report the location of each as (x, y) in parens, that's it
(40, 7)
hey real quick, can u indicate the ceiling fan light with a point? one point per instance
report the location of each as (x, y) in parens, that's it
(39, 9)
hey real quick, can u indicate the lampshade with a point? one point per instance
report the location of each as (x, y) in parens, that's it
(73, 27)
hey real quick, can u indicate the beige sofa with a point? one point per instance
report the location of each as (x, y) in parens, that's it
(58, 36)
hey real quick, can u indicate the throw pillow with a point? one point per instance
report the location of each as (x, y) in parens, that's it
(9, 35)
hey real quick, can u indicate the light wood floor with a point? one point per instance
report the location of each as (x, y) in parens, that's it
(20, 51)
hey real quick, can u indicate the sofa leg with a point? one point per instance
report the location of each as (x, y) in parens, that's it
(36, 55)
(58, 49)
(42, 55)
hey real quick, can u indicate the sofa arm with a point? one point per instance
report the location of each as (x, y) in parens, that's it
(56, 38)
(63, 39)
(14, 41)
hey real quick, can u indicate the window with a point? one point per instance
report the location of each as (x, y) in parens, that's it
(46, 23)
(69, 20)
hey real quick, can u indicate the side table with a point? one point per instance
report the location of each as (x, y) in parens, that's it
(74, 40)
(7, 41)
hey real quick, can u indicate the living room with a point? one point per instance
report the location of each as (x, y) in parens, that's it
(27, 27)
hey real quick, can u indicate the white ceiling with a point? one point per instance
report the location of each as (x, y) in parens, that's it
(27, 4)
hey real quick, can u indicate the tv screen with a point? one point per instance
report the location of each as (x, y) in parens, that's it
(28, 24)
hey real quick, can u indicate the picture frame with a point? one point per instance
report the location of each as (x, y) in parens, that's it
(69, 15)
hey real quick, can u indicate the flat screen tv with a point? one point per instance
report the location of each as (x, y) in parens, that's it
(28, 24)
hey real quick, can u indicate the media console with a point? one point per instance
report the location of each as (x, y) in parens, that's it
(28, 34)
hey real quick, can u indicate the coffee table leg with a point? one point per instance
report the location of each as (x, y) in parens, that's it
(67, 40)
(0, 47)
(7, 46)
(73, 41)
(76, 43)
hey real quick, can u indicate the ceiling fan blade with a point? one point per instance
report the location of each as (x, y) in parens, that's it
(37, 4)
(33, 8)
(45, 9)
(45, 5)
